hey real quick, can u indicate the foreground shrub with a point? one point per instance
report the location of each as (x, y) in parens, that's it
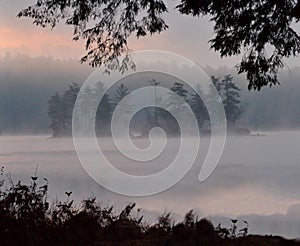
(27, 218)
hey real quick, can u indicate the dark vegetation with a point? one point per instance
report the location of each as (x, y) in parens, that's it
(60, 107)
(27, 218)
(262, 32)
(24, 111)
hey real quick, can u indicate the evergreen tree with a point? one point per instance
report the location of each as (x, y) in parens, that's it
(174, 104)
(231, 102)
(124, 109)
(86, 103)
(212, 99)
(104, 111)
(178, 88)
(198, 106)
(56, 114)
(217, 83)
(69, 99)
(120, 93)
(229, 96)
(60, 110)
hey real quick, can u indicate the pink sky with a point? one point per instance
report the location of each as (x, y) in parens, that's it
(186, 36)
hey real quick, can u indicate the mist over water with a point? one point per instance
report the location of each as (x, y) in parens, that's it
(256, 180)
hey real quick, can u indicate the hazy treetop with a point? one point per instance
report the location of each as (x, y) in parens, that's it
(260, 31)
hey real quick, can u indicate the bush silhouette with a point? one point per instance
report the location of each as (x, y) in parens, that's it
(27, 218)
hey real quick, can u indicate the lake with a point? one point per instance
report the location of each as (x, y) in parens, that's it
(256, 180)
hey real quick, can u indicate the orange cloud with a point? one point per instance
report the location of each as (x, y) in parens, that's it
(38, 41)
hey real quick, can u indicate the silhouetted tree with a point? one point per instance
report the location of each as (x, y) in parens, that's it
(56, 114)
(241, 27)
(198, 106)
(69, 99)
(60, 110)
(165, 119)
(232, 102)
(174, 103)
(104, 111)
(250, 26)
(212, 99)
(229, 95)
(178, 88)
(86, 97)
(217, 83)
(120, 93)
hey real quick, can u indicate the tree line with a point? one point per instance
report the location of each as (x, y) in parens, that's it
(241, 27)
(60, 107)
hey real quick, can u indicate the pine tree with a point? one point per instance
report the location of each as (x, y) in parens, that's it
(56, 114)
(86, 104)
(69, 99)
(178, 88)
(120, 93)
(217, 83)
(104, 111)
(231, 102)
(174, 104)
(198, 106)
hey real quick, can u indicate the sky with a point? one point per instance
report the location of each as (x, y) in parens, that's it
(187, 36)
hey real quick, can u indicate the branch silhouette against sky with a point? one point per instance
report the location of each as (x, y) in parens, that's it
(261, 32)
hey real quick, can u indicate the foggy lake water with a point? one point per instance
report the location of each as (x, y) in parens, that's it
(256, 180)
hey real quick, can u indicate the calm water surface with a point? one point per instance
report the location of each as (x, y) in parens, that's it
(257, 178)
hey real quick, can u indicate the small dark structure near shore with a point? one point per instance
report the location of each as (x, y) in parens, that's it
(238, 131)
